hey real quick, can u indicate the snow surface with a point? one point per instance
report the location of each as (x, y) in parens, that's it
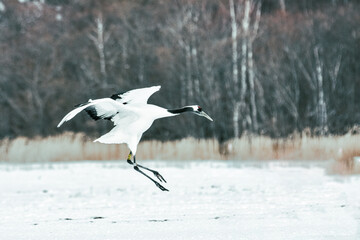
(207, 200)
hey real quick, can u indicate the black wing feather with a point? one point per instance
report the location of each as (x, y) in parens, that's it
(95, 115)
(92, 113)
(117, 96)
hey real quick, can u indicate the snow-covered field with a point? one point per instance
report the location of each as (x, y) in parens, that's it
(207, 200)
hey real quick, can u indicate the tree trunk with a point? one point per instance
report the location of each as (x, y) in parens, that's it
(244, 50)
(235, 72)
(99, 42)
(322, 113)
(282, 6)
(251, 71)
(236, 112)
(189, 84)
(252, 89)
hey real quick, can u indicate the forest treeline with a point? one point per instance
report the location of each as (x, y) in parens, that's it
(256, 67)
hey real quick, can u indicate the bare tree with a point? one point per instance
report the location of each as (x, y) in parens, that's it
(284, 73)
(321, 107)
(99, 38)
(282, 6)
(251, 70)
(249, 30)
(244, 48)
(235, 71)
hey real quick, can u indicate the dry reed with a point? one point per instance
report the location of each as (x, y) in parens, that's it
(74, 147)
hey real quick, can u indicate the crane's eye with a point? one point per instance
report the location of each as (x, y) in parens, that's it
(199, 109)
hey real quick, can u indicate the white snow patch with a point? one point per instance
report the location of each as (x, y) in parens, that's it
(207, 200)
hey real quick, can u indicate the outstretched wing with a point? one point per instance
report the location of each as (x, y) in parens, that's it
(104, 108)
(136, 96)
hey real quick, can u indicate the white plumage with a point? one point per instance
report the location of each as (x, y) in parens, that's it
(131, 115)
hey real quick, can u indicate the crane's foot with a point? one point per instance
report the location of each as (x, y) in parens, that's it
(162, 188)
(156, 173)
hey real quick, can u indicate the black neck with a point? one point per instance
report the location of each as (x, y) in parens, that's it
(181, 110)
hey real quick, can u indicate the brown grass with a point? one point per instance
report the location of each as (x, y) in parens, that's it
(347, 162)
(73, 147)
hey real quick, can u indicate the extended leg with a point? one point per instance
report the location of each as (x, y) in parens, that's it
(156, 173)
(136, 167)
(156, 183)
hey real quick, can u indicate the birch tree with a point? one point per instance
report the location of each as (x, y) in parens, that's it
(99, 38)
(321, 106)
(282, 6)
(235, 71)
(183, 30)
(249, 30)
(250, 59)
(244, 48)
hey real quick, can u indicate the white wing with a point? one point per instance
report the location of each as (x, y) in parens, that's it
(136, 96)
(104, 108)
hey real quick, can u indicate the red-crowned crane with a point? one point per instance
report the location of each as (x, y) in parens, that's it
(132, 116)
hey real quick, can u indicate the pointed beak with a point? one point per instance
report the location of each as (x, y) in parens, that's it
(203, 114)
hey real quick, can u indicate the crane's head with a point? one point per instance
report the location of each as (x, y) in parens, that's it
(198, 111)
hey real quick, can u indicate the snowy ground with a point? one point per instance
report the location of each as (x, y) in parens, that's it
(207, 200)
